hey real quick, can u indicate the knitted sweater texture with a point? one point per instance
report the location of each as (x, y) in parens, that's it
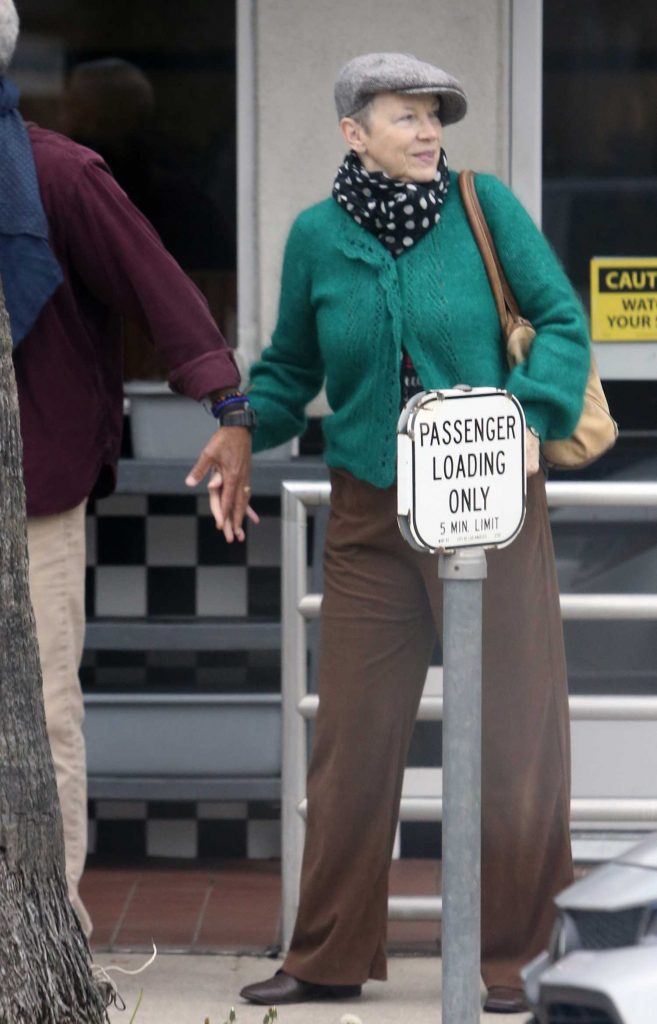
(347, 308)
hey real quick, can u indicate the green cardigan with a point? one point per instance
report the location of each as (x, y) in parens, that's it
(347, 307)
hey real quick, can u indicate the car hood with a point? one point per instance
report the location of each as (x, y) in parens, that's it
(643, 855)
(624, 978)
(611, 887)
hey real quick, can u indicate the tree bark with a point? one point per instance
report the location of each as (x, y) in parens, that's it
(45, 969)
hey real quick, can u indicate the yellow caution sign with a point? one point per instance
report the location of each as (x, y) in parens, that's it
(624, 298)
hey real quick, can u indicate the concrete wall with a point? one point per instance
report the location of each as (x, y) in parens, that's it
(299, 47)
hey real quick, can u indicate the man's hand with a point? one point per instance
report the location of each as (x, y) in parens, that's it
(227, 456)
(532, 452)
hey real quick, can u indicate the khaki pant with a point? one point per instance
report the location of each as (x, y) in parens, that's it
(382, 608)
(56, 546)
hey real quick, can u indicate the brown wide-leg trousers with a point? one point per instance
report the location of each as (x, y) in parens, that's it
(382, 608)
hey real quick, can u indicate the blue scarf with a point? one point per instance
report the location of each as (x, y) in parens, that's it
(28, 269)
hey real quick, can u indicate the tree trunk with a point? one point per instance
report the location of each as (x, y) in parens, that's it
(45, 970)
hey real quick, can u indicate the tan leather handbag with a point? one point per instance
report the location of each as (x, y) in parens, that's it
(596, 431)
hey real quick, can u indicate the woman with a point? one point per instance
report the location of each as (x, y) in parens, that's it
(383, 283)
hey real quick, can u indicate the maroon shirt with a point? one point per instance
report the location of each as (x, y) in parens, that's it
(69, 367)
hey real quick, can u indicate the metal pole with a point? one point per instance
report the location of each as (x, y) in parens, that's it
(462, 573)
(293, 663)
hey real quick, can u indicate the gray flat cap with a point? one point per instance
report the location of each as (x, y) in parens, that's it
(372, 73)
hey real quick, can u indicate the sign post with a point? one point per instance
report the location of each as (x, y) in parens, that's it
(461, 489)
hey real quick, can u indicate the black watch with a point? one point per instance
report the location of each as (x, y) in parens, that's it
(244, 417)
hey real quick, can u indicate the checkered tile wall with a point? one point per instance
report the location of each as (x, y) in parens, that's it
(159, 556)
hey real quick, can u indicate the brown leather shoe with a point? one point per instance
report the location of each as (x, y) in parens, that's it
(283, 988)
(501, 999)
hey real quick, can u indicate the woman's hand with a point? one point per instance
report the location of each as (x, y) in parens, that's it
(532, 452)
(227, 456)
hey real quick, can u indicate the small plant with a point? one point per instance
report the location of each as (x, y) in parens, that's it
(134, 1012)
(270, 1016)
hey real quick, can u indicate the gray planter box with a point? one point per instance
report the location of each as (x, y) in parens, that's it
(164, 425)
(183, 746)
(169, 426)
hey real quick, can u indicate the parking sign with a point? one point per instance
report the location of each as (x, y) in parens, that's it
(461, 469)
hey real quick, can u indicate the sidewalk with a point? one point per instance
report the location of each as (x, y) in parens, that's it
(227, 907)
(187, 989)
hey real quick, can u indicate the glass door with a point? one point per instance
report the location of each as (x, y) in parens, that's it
(600, 164)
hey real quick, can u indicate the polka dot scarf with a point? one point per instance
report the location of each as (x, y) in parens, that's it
(398, 213)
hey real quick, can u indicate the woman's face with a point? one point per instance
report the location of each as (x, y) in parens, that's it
(402, 136)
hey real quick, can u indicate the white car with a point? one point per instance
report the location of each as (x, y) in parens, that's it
(601, 967)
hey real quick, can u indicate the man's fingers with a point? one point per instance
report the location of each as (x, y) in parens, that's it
(242, 493)
(214, 492)
(228, 497)
(224, 518)
(216, 509)
(201, 468)
(228, 493)
(227, 457)
(228, 513)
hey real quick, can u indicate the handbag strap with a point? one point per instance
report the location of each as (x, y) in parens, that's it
(507, 307)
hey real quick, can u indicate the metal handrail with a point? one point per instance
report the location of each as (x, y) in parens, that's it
(300, 607)
(573, 606)
(622, 809)
(590, 709)
(602, 495)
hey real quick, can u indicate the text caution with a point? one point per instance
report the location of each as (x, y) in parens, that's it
(624, 298)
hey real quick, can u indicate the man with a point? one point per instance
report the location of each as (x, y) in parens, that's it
(75, 257)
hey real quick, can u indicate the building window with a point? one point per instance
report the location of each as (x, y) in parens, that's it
(151, 87)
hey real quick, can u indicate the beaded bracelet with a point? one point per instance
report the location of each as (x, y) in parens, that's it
(216, 407)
